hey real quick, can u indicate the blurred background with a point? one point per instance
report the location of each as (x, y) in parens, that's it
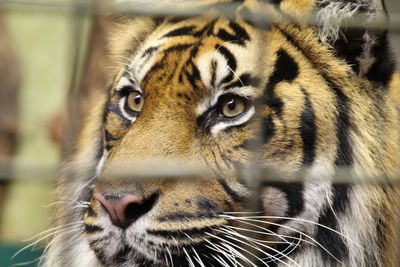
(43, 57)
(52, 59)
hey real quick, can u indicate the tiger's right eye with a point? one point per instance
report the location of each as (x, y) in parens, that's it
(134, 101)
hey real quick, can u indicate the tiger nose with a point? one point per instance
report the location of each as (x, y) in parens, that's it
(124, 210)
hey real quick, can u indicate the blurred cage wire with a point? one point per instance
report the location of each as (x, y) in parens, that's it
(81, 15)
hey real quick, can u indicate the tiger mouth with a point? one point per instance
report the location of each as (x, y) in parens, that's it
(180, 249)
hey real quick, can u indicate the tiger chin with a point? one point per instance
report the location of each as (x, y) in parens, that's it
(230, 97)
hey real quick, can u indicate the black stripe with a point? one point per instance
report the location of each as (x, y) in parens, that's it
(158, 66)
(108, 136)
(179, 47)
(268, 129)
(235, 196)
(239, 31)
(239, 37)
(91, 212)
(92, 228)
(180, 234)
(231, 61)
(193, 77)
(187, 30)
(213, 69)
(150, 51)
(286, 69)
(193, 53)
(344, 155)
(308, 130)
(246, 79)
(294, 196)
(185, 216)
(206, 30)
(330, 240)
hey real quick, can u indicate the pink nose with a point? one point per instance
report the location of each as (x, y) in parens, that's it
(125, 209)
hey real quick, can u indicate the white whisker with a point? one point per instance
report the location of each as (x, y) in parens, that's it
(188, 258)
(236, 252)
(256, 247)
(307, 221)
(55, 229)
(268, 247)
(33, 244)
(292, 229)
(170, 256)
(221, 260)
(166, 259)
(222, 250)
(197, 257)
(258, 232)
(243, 212)
(291, 250)
(283, 237)
(63, 234)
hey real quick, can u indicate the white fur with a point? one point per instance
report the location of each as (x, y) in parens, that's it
(331, 17)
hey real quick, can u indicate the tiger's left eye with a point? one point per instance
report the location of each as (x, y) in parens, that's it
(134, 101)
(232, 106)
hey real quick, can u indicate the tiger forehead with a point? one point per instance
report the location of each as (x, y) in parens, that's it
(211, 49)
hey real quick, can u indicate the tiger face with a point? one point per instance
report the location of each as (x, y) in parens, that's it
(227, 97)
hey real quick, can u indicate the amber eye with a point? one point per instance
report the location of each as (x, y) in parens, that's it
(232, 105)
(134, 101)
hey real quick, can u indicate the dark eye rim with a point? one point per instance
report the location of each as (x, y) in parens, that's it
(125, 90)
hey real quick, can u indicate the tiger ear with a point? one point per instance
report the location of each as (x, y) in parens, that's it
(357, 31)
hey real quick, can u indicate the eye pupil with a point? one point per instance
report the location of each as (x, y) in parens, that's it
(138, 98)
(231, 105)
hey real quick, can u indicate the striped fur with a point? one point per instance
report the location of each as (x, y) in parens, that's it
(314, 101)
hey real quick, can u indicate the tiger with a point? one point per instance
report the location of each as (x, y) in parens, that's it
(223, 135)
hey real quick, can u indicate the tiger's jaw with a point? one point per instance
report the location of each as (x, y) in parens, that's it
(116, 247)
(139, 246)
